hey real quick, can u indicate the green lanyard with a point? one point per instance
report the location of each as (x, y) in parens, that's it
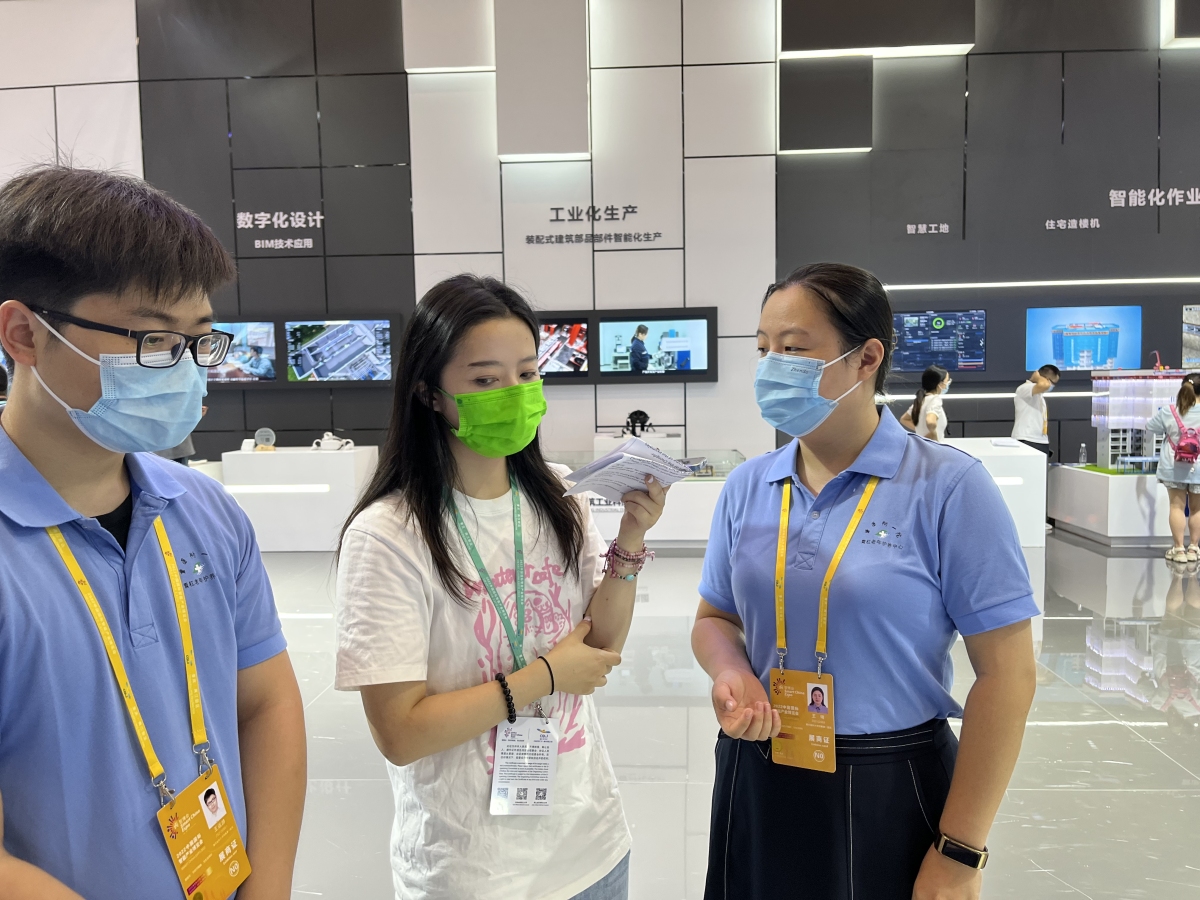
(516, 638)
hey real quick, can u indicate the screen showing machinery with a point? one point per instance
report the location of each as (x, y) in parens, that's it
(653, 346)
(251, 356)
(1191, 337)
(345, 350)
(956, 341)
(563, 348)
(1084, 337)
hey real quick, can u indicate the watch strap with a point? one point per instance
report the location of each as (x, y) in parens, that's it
(961, 853)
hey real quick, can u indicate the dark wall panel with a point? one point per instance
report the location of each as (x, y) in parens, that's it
(211, 444)
(824, 209)
(920, 104)
(300, 409)
(362, 409)
(825, 103)
(374, 285)
(1008, 26)
(185, 148)
(273, 122)
(1015, 101)
(226, 411)
(1187, 18)
(224, 38)
(369, 210)
(1179, 222)
(278, 193)
(282, 288)
(821, 25)
(364, 120)
(356, 36)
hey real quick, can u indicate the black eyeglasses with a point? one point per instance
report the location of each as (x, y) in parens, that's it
(159, 349)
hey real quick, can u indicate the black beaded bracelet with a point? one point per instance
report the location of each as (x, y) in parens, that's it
(508, 700)
(550, 670)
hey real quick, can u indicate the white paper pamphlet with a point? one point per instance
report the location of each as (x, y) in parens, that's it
(625, 469)
(523, 768)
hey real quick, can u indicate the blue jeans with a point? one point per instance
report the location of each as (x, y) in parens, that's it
(613, 886)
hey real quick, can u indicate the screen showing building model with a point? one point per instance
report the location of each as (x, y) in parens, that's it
(1191, 337)
(563, 348)
(251, 356)
(653, 347)
(1084, 337)
(354, 350)
(953, 340)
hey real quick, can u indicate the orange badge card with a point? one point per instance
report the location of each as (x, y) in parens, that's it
(204, 841)
(805, 704)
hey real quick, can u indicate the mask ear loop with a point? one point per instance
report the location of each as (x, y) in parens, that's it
(54, 331)
(839, 359)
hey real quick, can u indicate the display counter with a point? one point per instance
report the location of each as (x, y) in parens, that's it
(298, 498)
(1114, 509)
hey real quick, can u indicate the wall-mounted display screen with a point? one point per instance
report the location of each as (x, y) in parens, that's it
(653, 346)
(956, 341)
(563, 348)
(251, 355)
(1084, 337)
(344, 350)
(1191, 337)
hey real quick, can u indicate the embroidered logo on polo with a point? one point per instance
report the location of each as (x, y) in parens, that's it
(194, 569)
(882, 534)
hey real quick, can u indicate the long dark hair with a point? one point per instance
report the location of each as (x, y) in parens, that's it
(416, 463)
(930, 379)
(1187, 393)
(856, 303)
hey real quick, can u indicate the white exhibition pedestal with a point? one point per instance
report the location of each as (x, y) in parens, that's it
(1116, 587)
(298, 498)
(1118, 510)
(685, 521)
(1020, 473)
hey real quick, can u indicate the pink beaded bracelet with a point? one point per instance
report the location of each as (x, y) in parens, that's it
(617, 555)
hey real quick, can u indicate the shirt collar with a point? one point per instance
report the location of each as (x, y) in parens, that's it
(880, 457)
(28, 499)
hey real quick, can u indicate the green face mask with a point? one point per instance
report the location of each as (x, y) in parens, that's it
(500, 422)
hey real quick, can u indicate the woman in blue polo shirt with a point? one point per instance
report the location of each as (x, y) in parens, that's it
(848, 561)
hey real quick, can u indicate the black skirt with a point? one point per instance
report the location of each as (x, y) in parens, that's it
(859, 833)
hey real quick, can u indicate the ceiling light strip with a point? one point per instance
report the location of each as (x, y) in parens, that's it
(1084, 282)
(881, 52)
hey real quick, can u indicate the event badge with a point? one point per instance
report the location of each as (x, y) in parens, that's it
(203, 839)
(805, 704)
(523, 770)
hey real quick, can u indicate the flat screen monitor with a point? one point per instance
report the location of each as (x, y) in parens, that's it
(1083, 338)
(653, 347)
(563, 348)
(956, 341)
(251, 358)
(339, 350)
(1191, 337)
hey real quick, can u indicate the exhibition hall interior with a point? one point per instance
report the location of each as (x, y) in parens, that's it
(1021, 175)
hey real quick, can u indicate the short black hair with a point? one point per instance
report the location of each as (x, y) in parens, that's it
(257, 349)
(66, 233)
(211, 792)
(1049, 371)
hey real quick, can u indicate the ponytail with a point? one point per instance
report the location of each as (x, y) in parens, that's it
(916, 407)
(1188, 393)
(930, 379)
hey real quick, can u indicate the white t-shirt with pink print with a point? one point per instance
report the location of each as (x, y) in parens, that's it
(395, 623)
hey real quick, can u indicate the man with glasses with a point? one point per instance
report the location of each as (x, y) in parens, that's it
(139, 642)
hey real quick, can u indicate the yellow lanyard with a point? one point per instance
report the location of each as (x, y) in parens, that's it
(781, 572)
(199, 734)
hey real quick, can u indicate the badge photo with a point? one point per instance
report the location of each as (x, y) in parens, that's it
(212, 804)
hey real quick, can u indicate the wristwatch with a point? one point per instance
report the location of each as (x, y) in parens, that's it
(961, 853)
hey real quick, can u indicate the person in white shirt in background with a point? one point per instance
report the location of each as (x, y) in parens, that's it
(927, 407)
(447, 633)
(1032, 421)
(1180, 478)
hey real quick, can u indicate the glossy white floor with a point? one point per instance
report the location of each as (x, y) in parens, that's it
(1105, 802)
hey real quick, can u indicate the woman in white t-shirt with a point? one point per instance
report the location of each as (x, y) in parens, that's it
(463, 582)
(1178, 477)
(926, 416)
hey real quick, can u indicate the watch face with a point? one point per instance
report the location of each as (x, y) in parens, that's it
(961, 854)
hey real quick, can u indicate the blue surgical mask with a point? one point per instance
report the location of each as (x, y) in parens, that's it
(140, 409)
(788, 392)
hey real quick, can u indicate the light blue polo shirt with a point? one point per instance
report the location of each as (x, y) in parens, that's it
(78, 801)
(936, 553)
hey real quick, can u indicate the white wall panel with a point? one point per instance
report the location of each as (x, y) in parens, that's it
(637, 148)
(448, 34)
(728, 31)
(570, 422)
(730, 256)
(100, 126)
(639, 278)
(551, 275)
(429, 270)
(455, 170)
(635, 33)
(724, 415)
(67, 42)
(663, 403)
(26, 129)
(729, 110)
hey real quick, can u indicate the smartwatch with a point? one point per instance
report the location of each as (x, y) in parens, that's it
(961, 853)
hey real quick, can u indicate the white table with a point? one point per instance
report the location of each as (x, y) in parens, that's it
(1118, 510)
(298, 498)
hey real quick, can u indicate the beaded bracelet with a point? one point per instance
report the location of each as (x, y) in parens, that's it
(508, 698)
(617, 555)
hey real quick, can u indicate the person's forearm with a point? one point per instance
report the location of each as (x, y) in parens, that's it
(992, 730)
(719, 646)
(274, 777)
(21, 881)
(611, 607)
(441, 721)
